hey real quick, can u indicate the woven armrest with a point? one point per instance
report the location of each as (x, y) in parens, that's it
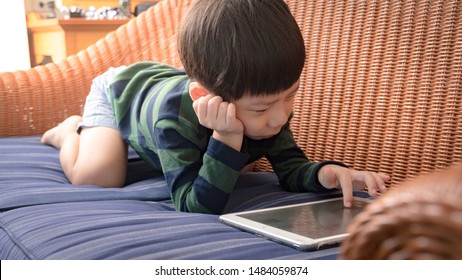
(34, 100)
(422, 219)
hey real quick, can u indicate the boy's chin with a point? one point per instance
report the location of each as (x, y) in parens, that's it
(260, 137)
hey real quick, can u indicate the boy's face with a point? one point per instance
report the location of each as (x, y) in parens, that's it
(264, 116)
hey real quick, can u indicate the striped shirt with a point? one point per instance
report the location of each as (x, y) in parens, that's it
(154, 112)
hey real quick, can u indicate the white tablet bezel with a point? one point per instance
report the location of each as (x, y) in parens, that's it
(286, 237)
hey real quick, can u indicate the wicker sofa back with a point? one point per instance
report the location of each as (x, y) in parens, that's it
(381, 88)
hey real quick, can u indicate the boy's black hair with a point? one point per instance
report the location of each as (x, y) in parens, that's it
(234, 47)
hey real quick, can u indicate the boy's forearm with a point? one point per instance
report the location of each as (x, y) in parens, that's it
(295, 171)
(212, 181)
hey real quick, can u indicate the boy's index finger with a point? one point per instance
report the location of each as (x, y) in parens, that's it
(347, 188)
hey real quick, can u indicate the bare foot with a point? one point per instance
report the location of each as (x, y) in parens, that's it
(56, 135)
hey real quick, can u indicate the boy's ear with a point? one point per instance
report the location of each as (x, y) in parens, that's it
(197, 90)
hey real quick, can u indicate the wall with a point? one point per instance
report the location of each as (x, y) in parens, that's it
(14, 49)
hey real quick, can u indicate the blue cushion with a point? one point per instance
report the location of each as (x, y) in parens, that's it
(30, 174)
(130, 230)
(43, 216)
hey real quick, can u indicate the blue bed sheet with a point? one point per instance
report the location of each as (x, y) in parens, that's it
(43, 216)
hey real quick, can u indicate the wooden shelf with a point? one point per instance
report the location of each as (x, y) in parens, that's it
(56, 39)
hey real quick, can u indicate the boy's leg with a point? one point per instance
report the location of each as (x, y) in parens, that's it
(96, 156)
(101, 158)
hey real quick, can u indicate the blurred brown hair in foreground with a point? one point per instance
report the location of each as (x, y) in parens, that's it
(421, 219)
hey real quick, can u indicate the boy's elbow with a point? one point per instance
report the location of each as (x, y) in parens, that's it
(194, 208)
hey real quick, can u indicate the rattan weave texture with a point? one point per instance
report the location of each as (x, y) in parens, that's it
(422, 219)
(381, 89)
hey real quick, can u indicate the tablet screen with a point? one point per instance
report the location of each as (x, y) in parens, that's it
(316, 220)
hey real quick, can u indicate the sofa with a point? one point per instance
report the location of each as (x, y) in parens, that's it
(381, 90)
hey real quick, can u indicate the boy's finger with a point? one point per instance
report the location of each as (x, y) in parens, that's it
(202, 106)
(385, 177)
(222, 116)
(201, 109)
(371, 183)
(194, 105)
(230, 114)
(381, 187)
(213, 108)
(347, 188)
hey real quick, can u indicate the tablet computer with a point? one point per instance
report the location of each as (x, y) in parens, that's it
(305, 226)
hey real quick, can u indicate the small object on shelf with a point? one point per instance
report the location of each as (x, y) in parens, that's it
(125, 8)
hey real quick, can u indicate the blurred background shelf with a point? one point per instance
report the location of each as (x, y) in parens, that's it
(55, 39)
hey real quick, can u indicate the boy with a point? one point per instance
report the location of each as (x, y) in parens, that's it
(201, 127)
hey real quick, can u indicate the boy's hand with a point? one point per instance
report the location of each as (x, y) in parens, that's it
(220, 116)
(335, 176)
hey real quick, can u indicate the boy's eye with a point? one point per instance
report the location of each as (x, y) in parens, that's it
(260, 111)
